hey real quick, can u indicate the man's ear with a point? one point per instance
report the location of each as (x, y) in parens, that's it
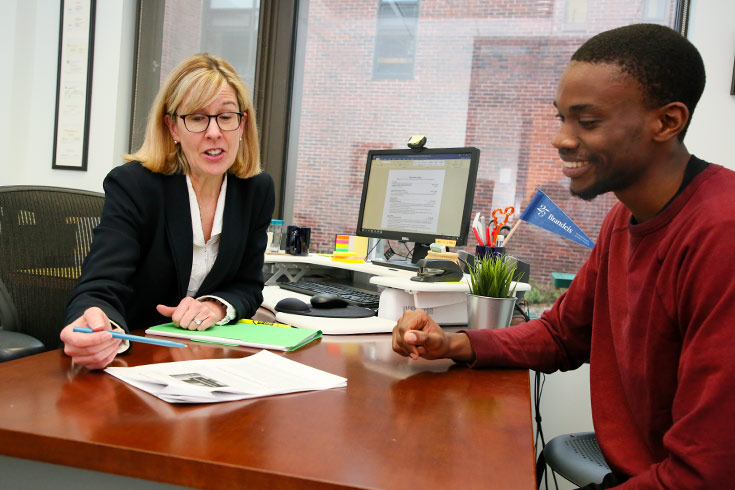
(671, 120)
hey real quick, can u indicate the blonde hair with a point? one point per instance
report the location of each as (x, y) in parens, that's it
(200, 78)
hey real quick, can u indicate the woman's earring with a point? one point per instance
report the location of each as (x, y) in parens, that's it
(176, 142)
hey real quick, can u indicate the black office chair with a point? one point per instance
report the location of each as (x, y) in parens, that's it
(576, 457)
(45, 233)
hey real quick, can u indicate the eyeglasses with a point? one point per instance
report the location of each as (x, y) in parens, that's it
(198, 123)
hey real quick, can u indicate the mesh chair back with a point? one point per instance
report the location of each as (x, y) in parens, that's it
(45, 233)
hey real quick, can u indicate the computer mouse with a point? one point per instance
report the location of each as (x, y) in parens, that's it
(292, 305)
(326, 300)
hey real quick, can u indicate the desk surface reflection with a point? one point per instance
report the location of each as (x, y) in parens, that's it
(398, 423)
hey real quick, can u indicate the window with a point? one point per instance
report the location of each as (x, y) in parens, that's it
(473, 73)
(370, 74)
(171, 30)
(230, 29)
(576, 13)
(656, 11)
(395, 39)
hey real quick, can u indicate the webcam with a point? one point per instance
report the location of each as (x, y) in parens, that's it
(417, 142)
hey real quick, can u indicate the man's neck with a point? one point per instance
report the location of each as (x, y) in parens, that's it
(653, 191)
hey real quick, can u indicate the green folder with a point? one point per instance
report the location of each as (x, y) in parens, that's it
(258, 336)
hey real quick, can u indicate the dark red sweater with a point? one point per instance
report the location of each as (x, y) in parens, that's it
(653, 309)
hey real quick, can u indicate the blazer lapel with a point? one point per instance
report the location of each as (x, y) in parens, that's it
(178, 228)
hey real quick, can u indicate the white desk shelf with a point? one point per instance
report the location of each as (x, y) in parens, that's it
(446, 301)
(295, 266)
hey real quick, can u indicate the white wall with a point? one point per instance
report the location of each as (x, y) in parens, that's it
(29, 29)
(711, 135)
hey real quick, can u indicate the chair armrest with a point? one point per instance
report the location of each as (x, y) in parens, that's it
(14, 345)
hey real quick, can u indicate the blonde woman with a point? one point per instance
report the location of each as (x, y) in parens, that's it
(183, 228)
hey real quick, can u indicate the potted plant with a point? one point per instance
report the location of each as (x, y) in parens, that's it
(491, 297)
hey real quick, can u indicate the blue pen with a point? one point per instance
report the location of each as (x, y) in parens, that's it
(134, 338)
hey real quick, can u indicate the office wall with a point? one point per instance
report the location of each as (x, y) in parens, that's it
(711, 29)
(29, 32)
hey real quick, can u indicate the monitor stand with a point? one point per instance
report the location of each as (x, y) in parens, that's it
(419, 252)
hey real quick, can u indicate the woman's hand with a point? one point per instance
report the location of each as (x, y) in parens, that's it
(91, 350)
(192, 314)
(417, 335)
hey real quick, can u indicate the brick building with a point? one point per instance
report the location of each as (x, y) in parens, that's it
(472, 73)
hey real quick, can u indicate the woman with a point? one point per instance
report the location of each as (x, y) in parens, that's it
(183, 228)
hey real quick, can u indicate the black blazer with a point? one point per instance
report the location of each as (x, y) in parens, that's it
(142, 249)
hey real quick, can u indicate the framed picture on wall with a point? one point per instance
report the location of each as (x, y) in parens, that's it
(74, 84)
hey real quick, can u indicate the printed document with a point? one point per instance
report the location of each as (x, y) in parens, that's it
(221, 380)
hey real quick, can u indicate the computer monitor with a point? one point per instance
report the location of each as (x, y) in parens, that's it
(418, 196)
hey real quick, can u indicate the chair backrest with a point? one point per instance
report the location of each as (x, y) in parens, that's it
(45, 233)
(576, 457)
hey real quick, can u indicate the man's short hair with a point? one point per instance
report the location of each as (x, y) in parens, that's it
(668, 67)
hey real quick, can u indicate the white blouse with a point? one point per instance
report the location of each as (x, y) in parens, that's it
(205, 253)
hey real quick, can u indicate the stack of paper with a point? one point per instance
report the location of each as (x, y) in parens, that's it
(221, 380)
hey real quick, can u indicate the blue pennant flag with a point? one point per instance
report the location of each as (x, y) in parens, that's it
(542, 212)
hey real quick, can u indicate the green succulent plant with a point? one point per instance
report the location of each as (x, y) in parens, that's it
(492, 276)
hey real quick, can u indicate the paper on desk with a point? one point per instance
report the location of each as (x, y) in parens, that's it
(221, 380)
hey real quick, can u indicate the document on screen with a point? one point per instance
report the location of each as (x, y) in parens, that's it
(413, 200)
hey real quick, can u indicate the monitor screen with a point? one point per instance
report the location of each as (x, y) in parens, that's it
(418, 196)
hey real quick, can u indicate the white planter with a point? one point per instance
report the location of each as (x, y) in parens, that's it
(486, 312)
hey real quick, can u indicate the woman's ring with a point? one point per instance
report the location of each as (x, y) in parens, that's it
(197, 322)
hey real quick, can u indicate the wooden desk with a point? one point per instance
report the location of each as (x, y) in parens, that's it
(398, 423)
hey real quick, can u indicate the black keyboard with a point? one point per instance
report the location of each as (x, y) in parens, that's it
(353, 296)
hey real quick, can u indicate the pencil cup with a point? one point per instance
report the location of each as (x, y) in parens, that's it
(482, 251)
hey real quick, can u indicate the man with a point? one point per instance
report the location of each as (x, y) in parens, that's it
(653, 308)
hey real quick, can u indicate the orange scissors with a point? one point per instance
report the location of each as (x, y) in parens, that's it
(508, 212)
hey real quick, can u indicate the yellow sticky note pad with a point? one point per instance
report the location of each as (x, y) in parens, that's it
(350, 245)
(448, 243)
